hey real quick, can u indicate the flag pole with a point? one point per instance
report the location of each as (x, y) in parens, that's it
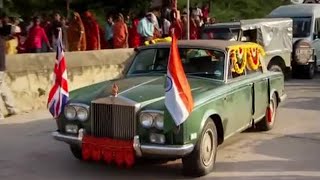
(188, 19)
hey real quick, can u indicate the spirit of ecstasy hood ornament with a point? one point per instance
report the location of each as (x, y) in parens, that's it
(115, 90)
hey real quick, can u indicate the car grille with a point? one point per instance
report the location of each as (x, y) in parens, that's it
(113, 121)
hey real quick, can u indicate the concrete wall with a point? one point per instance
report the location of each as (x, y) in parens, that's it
(29, 76)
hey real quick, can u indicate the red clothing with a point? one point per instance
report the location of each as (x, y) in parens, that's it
(92, 32)
(120, 34)
(35, 37)
(134, 37)
(194, 30)
(177, 26)
(205, 12)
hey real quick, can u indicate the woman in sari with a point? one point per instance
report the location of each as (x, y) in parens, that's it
(120, 33)
(92, 31)
(76, 34)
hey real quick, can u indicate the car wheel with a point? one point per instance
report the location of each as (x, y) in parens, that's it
(267, 123)
(202, 159)
(76, 151)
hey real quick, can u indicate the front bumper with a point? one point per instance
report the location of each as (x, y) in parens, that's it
(140, 149)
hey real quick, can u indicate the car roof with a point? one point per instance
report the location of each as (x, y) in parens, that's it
(214, 44)
(295, 10)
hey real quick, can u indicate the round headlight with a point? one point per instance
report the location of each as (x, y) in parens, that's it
(70, 112)
(146, 120)
(159, 121)
(82, 114)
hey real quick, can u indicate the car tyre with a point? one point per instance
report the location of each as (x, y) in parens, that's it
(202, 159)
(267, 123)
(76, 151)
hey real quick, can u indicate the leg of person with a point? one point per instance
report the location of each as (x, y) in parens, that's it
(7, 96)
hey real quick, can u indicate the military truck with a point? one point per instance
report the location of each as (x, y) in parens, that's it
(274, 34)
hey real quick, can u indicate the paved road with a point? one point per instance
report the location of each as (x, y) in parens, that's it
(290, 151)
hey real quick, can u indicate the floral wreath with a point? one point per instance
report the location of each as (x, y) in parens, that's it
(239, 60)
(253, 58)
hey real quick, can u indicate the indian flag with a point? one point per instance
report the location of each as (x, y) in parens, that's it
(178, 98)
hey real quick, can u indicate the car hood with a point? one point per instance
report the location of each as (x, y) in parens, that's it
(143, 89)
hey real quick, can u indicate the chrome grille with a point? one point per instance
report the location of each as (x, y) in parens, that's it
(114, 121)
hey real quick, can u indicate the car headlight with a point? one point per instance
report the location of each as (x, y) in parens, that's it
(158, 121)
(70, 112)
(146, 120)
(82, 114)
(151, 118)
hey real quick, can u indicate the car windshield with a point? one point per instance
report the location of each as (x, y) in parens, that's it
(221, 33)
(196, 62)
(301, 27)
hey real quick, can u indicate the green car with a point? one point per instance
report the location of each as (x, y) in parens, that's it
(113, 119)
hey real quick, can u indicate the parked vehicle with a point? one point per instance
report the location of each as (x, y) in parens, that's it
(275, 35)
(306, 34)
(126, 119)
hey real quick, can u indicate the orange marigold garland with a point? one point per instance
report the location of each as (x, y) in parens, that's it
(239, 60)
(253, 58)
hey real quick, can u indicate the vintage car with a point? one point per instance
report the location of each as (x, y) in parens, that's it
(126, 119)
(274, 34)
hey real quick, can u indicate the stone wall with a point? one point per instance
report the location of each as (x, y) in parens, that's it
(29, 76)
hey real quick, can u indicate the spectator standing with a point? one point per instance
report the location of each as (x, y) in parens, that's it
(197, 14)
(36, 36)
(92, 31)
(76, 34)
(120, 33)
(6, 96)
(146, 28)
(65, 34)
(176, 26)
(54, 32)
(134, 37)
(206, 12)
(165, 26)
(109, 31)
(11, 40)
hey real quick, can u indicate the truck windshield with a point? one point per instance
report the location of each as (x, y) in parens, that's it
(301, 27)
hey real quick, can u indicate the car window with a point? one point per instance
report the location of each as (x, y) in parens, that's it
(143, 61)
(196, 62)
(301, 26)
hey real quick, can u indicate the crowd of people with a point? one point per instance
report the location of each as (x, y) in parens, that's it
(82, 32)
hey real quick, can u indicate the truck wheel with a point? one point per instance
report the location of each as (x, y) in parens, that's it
(76, 151)
(202, 159)
(276, 68)
(267, 123)
(310, 70)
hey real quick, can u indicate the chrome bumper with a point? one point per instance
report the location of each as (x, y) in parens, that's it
(140, 149)
(283, 97)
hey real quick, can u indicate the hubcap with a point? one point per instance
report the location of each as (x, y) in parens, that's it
(207, 148)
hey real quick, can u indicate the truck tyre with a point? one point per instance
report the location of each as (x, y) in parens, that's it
(267, 123)
(276, 68)
(76, 151)
(310, 70)
(202, 159)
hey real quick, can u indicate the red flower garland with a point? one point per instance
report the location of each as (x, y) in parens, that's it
(109, 150)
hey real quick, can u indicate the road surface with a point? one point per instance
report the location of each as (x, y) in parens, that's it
(290, 151)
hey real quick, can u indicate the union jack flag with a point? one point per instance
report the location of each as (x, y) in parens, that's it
(59, 93)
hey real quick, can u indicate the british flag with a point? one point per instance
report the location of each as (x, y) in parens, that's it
(59, 94)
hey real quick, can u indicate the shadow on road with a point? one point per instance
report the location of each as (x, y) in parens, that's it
(29, 149)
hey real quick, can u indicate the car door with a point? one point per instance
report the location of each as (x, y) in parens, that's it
(239, 103)
(260, 93)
